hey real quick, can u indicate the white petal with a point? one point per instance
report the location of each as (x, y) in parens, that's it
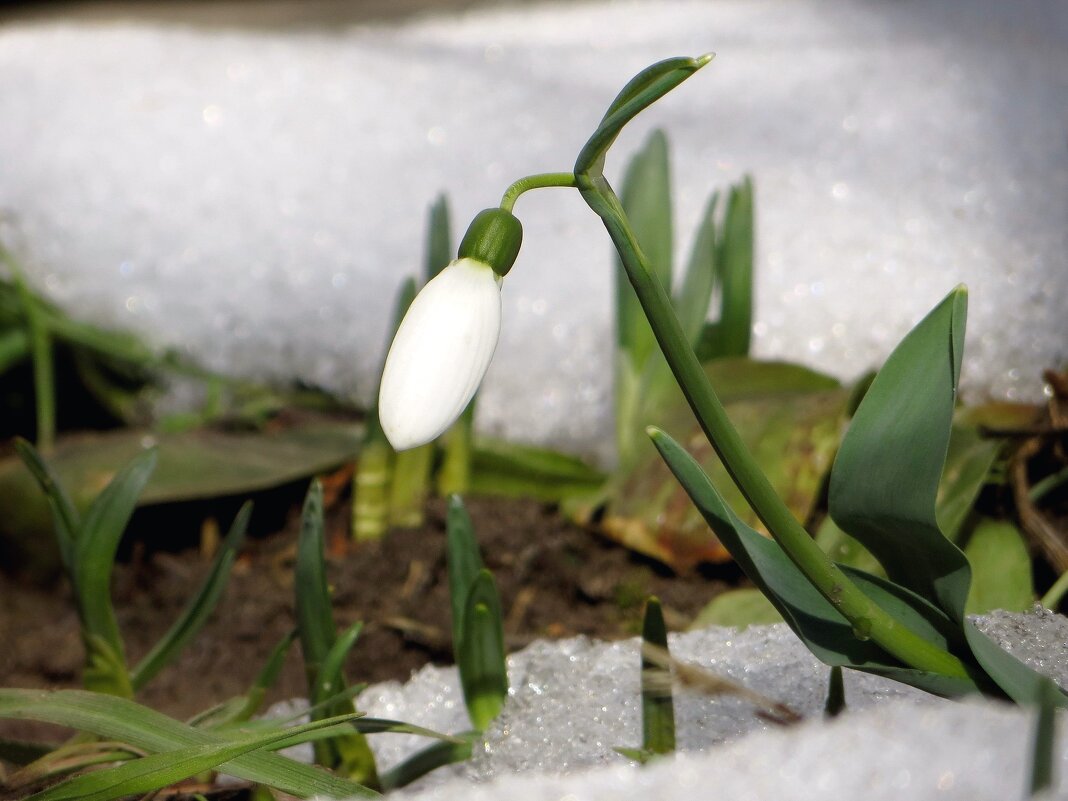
(440, 354)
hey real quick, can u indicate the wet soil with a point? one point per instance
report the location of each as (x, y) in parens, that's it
(555, 578)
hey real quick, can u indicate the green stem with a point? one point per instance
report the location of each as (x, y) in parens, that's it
(44, 385)
(824, 574)
(1052, 599)
(541, 181)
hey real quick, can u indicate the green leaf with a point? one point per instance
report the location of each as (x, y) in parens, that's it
(464, 563)
(123, 720)
(835, 703)
(65, 518)
(1045, 732)
(884, 482)
(516, 470)
(844, 549)
(331, 679)
(790, 418)
(200, 606)
(1001, 568)
(643, 90)
(646, 199)
(695, 294)
(97, 542)
(658, 706)
(438, 240)
(426, 760)
(1022, 684)
(738, 609)
(153, 772)
(315, 617)
(811, 616)
(734, 257)
(968, 462)
(481, 660)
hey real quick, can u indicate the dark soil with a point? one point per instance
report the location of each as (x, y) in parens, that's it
(555, 580)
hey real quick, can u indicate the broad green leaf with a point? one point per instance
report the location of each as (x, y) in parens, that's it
(1022, 684)
(517, 470)
(658, 705)
(155, 771)
(884, 482)
(819, 625)
(192, 465)
(844, 549)
(738, 609)
(790, 419)
(483, 675)
(695, 294)
(200, 606)
(1001, 568)
(968, 462)
(464, 561)
(96, 543)
(123, 720)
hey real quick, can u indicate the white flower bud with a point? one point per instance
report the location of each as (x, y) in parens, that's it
(440, 354)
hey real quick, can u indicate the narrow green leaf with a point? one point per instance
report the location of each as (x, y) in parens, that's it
(1045, 733)
(517, 470)
(123, 720)
(200, 606)
(315, 618)
(835, 702)
(427, 760)
(481, 660)
(695, 294)
(153, 772)
(734, 256)
(641, 91)
(639, 755)
(98, 540)
(438, 239)
(331, 679)
(65, 518)
(811, 616)
(105, 668)
(1001, 568)
(658, 705)
(464, 562)
(884, 482)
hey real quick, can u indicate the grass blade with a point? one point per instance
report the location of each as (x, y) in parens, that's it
(658, 706)
(98, 540)
(481, 660)
(734, 255)
(123, 720)
(65, 518)
(438, 238)
(464, 562)
(315, 618)
(331, 679)
(199, 608)
(156, 771)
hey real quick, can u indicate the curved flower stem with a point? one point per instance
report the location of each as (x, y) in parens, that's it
(868, 619)
(541, 181)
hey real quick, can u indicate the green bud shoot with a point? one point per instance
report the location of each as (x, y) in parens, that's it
(494, 238)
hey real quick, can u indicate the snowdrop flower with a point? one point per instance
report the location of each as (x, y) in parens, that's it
(446, 340)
